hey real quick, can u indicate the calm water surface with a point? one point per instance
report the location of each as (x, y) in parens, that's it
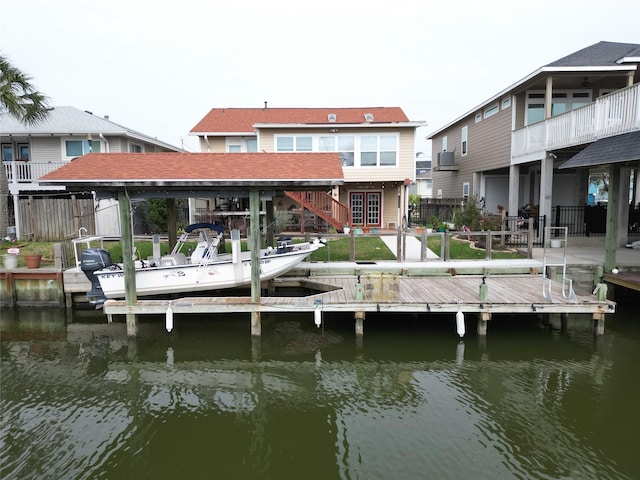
(535, 400)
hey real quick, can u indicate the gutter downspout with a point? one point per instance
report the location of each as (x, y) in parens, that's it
(206, 140)
(105, 141)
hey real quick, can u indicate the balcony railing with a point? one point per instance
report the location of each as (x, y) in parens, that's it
(29, 172)
(610, 115)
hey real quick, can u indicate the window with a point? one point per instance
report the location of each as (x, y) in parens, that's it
(464, 134)
(294, 144)
(465, 189)
(77, 148)
(378, 150)
(7, 152)
(370, 150)
(23, 151)
(344, 144)
(242, 144)
(135, 148)
(506, 103)
(478, 117)
(535, 108)
(284, 144)
(562, 101)
(491, 111)
(387, 150)
(346, 147)
(444, 143)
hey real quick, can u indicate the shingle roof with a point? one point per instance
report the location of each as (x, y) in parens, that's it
(601, 54)
(70, 120)
(617, 149)
(199, 169)
(234, 120)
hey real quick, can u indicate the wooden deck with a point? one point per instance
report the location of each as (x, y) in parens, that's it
(387, 293)
(629, 280)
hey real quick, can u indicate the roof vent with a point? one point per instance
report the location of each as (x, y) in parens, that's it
(331, 117)
(368, 117)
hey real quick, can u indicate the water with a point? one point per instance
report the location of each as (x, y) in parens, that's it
(534, 400)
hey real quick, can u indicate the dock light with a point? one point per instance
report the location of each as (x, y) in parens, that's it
(169, 318)
(615, 271)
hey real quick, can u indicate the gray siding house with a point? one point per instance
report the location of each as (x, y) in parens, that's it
(508, 149)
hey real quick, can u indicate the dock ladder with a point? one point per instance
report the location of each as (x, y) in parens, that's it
(555, 238)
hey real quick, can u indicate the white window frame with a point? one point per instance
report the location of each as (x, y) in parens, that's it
(568, 96)
(295, 140)
(478, 117)
(465, 189)
(444, 144)
(350, 158)
(491, 110)
(19, 148)
(464, 140)
(85, 146)
(136, 148)
(506, 103)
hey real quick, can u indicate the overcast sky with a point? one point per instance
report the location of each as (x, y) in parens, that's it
(159, 66)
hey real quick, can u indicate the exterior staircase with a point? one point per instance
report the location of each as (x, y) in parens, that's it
(324, 206)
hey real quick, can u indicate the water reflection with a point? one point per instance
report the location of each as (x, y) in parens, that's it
(531, 400)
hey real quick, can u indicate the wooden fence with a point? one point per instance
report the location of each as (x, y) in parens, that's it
(48, 219)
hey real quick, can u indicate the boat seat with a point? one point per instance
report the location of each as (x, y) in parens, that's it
(173, 259)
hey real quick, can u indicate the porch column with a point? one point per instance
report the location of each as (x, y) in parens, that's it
(610, 243)
(514, 190)
(623, 206)
(548, 97)
(546, 187)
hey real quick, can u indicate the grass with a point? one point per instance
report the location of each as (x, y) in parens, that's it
(463, 250)
(367, 248)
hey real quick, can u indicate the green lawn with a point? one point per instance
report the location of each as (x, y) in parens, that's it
(368, 248)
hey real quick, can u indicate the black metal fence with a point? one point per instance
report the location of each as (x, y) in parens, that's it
(580, 220)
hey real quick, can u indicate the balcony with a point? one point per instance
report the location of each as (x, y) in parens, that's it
(610, 115)
(24, 175)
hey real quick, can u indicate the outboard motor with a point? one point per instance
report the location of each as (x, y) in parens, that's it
(92, 260)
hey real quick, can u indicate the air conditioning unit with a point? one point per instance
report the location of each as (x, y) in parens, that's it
(445, 159)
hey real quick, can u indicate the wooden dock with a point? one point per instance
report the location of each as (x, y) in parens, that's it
(390, 293)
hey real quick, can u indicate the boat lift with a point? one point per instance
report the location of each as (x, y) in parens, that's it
(556, 238)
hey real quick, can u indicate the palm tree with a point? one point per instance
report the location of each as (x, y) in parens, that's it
(21, 100)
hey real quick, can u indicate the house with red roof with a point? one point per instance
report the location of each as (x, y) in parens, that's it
(375, 144)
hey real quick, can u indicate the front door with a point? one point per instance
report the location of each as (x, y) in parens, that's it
(366, 208)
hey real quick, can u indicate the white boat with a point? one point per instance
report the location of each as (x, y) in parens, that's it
(205, 268)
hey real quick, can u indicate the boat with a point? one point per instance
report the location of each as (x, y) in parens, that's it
(205, 268)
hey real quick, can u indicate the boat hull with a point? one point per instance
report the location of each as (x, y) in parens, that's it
(219, 274)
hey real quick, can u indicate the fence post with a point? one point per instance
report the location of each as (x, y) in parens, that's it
(530, 239)
(445, 242)
(487, 247)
